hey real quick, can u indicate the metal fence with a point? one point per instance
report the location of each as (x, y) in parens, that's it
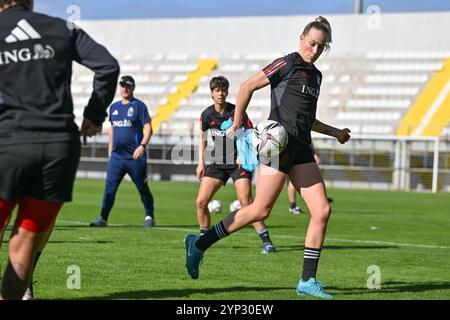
(390, 163)
(365, 162)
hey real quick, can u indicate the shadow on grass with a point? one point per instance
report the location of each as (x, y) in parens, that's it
(179, 293)
(75, 241)
(394, 287)
(302, 247)
(171, 226)
(121, 226)
(81, 241)
(80, 226)
(361, 212)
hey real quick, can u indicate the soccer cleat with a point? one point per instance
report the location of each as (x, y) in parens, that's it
(313, 288)
(99, 222)
(295, 210)
(149, 223)
(193, 256)
(268, 248)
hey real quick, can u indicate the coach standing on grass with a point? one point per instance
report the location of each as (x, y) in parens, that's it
(39, 140)
(130, 132)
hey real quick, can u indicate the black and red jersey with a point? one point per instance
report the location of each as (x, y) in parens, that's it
(295, 87)
(225, 152)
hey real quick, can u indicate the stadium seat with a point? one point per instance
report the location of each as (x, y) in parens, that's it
(357, 89)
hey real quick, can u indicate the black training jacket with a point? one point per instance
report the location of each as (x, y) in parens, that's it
(36, 54)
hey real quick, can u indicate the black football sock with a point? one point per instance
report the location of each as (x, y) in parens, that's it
(264, 235)
(211, 236)
(203, 231)
(310, 263)
(38, 255)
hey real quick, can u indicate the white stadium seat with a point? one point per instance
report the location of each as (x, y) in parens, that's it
(371, 92)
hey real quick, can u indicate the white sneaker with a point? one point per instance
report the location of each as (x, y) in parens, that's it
(28, 295)
(99, 222)
(295, 210)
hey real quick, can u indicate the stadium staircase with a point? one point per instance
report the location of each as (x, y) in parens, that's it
(185, 89)
(430, 114)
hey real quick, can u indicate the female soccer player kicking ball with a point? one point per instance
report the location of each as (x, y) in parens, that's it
(295, 87)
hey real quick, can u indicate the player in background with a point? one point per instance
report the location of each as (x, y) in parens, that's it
(129, 134)
(39, 140)
(225, 163)
(295, 88)
(292, 194)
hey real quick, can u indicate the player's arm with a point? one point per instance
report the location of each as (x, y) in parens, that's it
(342, 135)
(94, 56)
(202, 143)
(110, 141)
(315, 154)
(140, 150)
(148, 132)
(244, 96)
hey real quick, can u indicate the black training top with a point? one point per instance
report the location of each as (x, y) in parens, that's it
(36, 54)
(295, 89)
(225, 152)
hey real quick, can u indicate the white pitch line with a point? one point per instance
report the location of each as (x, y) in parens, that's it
(412, 245)
(428, 246)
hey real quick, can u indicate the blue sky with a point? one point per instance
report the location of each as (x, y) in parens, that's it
(148, 9)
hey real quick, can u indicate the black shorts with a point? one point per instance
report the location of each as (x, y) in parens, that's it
(44, 171)
(296, 152)
(225, 172)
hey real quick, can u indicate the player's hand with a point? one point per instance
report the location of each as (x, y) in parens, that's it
(238, 161)
(138, 153)
(317, 158)
(89, 129)
(234, 132)
(343, 135)
(200, 171)
(231, 131)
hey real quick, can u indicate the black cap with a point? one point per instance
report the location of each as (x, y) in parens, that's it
(127, 81)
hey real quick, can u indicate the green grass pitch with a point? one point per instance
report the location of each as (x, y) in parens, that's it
(406, 235)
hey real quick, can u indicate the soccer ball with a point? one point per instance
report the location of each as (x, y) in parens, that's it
(215, 206)
(235, 205)
(269, 138)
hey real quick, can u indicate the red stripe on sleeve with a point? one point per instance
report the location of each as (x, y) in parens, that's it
(274, 67)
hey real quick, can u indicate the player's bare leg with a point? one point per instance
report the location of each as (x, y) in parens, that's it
(244, 195)
(268, 187)
(23, 246)
(31, 232)
(308, 180)
(29, 293)
(208, 187)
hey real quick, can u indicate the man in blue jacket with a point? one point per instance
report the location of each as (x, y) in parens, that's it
(129, 134)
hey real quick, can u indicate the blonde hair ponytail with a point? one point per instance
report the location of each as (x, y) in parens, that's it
(322, 24)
